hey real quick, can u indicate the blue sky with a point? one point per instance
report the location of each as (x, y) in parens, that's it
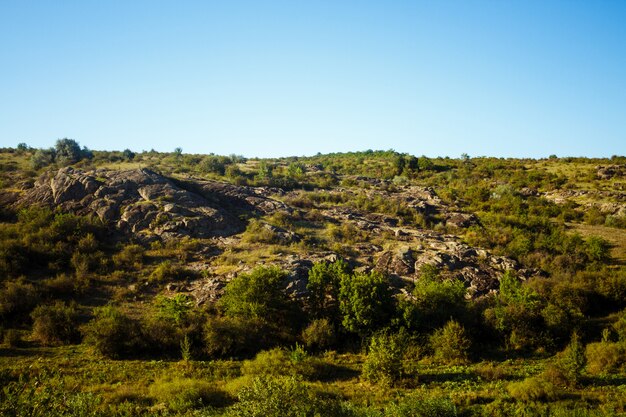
(280, 78)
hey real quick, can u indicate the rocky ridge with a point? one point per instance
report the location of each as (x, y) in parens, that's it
(146, 205)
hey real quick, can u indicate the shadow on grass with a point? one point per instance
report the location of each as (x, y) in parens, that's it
(331, 372)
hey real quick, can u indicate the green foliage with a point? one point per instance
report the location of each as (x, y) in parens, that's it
(283, 397)
(112, 333)
(17, 299)
(257, 295)
(182, 394)
(324, 284)
(516, 314)
(417, 406)
(175, 308)
(366, 303)
(55, 323)
(533, 389)
(168, 271)
(384, 358)
(129, 257)
(569, 364)
(434, 302)
(319, 335)
(272, 362)
(42, 158)
(604, 357)
(235, 336)
(450, 344)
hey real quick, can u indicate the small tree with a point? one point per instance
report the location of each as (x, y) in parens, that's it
(67, 151)
(112, 333)
(450, 343)
(365, 302)
(384, 359)
(324, 284)
(56, 323)
(256, 295)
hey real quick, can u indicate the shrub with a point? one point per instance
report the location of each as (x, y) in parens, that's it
(112, 333)
(17, 299)
(319, 335)
(384, 359)
(435, 301)
(414, 406)
(324, 284)
(604, 357)
(533, 389)
(571, 362)
(274, 362)
(130, 257)
(12, 338)
(234, 337)
(283, 397)
(56, 323)
(490, 371)
(167, 271)
(365, 302)
(257, 295)
(450, 343)
(182, 394)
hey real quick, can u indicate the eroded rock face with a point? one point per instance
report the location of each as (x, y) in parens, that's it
(143, 202)
(478, 269)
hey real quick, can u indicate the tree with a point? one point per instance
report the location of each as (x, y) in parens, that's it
(256, 295)
(365, 302)
(67, 151)
(324, 285)
(128, 154)
(384, 358)
(42, 158)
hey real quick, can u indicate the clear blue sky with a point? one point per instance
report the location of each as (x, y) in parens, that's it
(279, 78)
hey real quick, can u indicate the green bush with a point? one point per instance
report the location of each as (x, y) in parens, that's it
(130, 257)
(283, 397)
(384, 358)
(434, 302)
(257, 295)
(319, 335)
(415, 406)
(604, 357)
(235, 337)
(571, 362)
(182, 394)
(274, 362)
(533, 389)
(55, 323)
(112, 333)
(366, 303)
(17, 299)
(167, 271)
(450, 344)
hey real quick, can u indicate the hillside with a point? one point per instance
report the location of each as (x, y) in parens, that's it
(365, 282)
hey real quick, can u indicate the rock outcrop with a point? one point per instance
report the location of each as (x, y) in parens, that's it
(146, 204)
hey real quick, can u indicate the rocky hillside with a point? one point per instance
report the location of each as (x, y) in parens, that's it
(145, 206)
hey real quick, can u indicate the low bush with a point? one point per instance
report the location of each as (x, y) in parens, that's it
(415, 406)
(319, 335)
(450, 344)
(284, 397)
(55, 323)
(533, 389)
(604, 357)
(235, 337)
(182, 394)
(384, 359)
(112, 333)
(490, 371)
